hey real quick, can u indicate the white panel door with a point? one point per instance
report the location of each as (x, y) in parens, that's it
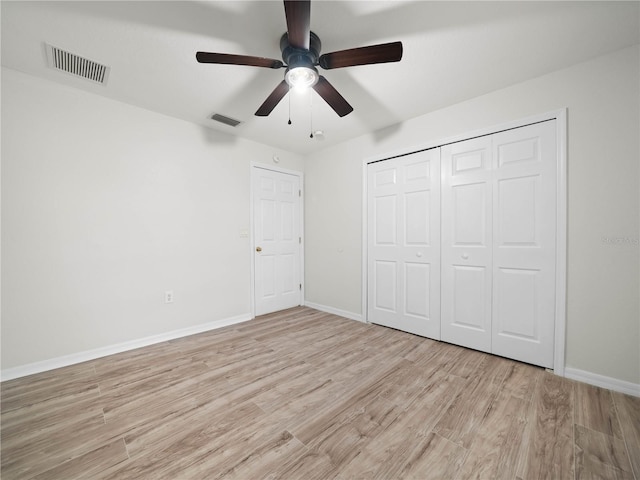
(467, 243)
(524, 236)
(403, 243)
(277, 240)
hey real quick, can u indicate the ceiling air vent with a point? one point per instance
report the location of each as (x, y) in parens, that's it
(232, 122)
(76, 65)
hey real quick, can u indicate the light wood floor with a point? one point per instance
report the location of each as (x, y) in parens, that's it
(304, 394)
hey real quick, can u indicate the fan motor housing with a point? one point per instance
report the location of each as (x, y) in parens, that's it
(300, 57)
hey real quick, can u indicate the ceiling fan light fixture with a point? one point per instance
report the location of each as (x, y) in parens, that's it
(300, 49)
(301, 77)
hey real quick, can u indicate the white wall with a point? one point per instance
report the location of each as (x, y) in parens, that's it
(104, 207)
(603, 101)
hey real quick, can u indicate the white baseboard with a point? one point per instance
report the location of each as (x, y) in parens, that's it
(66, 360)
(334, 311)
(614, 384)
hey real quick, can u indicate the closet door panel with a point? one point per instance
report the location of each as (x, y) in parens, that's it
(467, 243)
(418, 281)
(404, 243)
(384, 287)
(469, 290)
(524, 189)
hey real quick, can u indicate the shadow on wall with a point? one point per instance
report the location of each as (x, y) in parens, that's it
(216, 137)
(383, 134)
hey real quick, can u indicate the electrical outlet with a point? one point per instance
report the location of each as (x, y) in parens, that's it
(168, 296)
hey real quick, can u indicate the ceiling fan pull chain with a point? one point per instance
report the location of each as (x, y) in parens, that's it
(289, 122)
(311, 113)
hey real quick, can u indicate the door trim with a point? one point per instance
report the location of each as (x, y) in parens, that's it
(253, 166)
(560, 116)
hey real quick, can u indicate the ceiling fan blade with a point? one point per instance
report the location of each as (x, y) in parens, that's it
(226, 58)
(298, 13)
(273, 99)
(332, 97)
(382, 53)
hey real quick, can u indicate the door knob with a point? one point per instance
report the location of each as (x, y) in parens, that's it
(419, 254)
(465, 256)
(258, 249)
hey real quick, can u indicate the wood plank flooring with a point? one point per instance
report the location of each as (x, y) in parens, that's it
(309, 395)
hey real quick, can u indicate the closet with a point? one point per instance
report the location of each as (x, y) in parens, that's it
(461, 243)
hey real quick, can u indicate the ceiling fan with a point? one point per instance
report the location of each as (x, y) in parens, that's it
(300, 49)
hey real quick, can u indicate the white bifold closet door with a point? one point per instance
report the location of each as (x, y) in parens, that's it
(498, 243)
(404, 243)
(524, 243)
(467, 242)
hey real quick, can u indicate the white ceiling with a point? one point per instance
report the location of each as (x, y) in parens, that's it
(453, 51)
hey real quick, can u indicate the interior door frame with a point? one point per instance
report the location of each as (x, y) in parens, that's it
(560, 116)
(253, 166)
